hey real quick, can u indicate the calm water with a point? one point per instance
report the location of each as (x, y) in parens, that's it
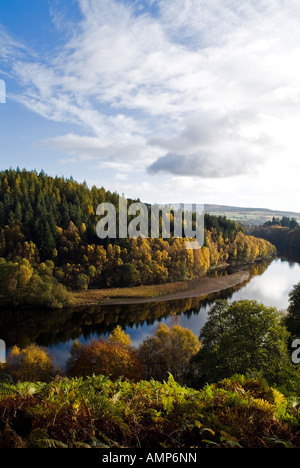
(271, 288)
(269, 284)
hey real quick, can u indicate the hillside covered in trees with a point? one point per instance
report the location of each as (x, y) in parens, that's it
(283, 232)
(49, 244)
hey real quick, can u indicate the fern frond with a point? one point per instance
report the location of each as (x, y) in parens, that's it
(39, 439)
(7, 386)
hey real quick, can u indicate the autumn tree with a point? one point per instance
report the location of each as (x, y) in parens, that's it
(44, 218)
(104, 357)
(31, 364)
(169, 350)
(118, 336)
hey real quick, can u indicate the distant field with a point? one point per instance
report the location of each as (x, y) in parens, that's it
(249, 216)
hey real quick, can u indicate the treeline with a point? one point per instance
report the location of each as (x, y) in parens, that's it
(283, 222)
(285, 238)
(229, 388)
(283, 232)
(51, 223)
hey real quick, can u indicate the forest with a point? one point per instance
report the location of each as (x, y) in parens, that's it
(233, 386)
(49, 245)
(284, 233)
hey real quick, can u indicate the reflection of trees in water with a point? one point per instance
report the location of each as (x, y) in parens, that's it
(52, 327)
(258, 268)
(289, 254)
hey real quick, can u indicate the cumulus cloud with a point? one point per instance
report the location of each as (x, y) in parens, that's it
(208, 89)
(212, 146)
(203, 165)
(207, 164)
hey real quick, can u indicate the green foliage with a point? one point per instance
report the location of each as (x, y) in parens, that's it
(54, 219)
(168, 350)
(283, 222)
(22, 284)
(96, 412)
(241, 337)
(7, 386)
(292, 318)
(118, 410)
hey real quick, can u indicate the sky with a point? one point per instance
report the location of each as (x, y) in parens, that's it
(190, 101)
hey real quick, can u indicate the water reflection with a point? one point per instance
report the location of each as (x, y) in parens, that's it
(270, 286)
(272, 289)
(270, 283)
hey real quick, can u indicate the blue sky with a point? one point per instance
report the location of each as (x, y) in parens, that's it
(191, 101)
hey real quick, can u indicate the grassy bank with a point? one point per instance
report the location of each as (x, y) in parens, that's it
(167, 292)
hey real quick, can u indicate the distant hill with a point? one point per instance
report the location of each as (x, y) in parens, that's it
(248, 216)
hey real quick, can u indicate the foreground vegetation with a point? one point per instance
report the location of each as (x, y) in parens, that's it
(48, 242)
(98, 412)
(234, 387)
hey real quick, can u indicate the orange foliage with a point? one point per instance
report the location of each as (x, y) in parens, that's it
(104, 357)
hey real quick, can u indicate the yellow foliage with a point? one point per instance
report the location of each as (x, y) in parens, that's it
(119, 336)
(32, 364)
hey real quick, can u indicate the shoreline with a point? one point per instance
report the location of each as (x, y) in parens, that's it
(194, 288)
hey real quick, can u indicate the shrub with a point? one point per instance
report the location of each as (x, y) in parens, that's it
(169, 350)
(32, 363)
(104, 357)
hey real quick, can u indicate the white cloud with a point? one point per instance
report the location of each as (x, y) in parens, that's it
(121, 176)
(121, 149)
(216, 146)
(9, 47)
(200, 89)
(67, 160)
